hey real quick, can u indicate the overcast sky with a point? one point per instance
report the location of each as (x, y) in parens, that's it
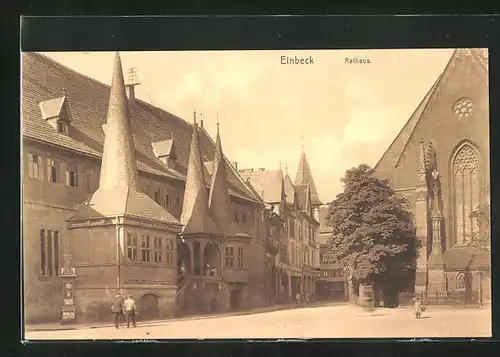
(344, 114)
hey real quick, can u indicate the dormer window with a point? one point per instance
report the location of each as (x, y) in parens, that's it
(56, 113)
(165, 151)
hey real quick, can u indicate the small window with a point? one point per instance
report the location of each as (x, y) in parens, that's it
(132, 247)
(158, 250)
(170, 251)
(167, 199)
(72, 177)
(56, 252)
(49, 252)
(244, 218)
(61, 127)
(461, 281)
(34, 162)
(43, 256)
(53, 170)
(229, 256)
(235, 215)
(240, 257)
(146, 249)
(157, 196)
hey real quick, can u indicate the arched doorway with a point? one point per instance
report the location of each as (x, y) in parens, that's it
(149, 307)
(211, 259)
(183, 260)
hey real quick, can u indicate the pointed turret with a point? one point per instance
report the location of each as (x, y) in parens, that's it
(421, 170)
(219, 191)
(118, 161)
(195, 212)
(436, 215)
(305, 177)
(118, 193)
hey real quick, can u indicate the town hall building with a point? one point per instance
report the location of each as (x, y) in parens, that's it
(120, 196)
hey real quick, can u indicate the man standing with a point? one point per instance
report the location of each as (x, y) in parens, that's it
(129, 309)
(117, 309)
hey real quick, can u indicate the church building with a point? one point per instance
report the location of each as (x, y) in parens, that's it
(121, 196)
(439, 163)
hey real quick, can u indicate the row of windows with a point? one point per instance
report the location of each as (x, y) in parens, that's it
(157, 250)
(49, 252)
(332, 273)
(240, 217)
(308, 232)
(307, 256)
(229, 257)
(52, 172)
(167, 198)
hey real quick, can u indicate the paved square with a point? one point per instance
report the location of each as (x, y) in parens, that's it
(340, 321)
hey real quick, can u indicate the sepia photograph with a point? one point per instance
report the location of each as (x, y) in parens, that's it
(255, 194)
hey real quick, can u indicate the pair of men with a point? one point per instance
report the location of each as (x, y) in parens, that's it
(126, 307)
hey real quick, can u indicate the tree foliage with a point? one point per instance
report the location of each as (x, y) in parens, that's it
(373, 235)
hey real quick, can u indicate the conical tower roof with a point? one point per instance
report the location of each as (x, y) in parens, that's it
(305, 177)
(118, 167)
(118, 193)
(195, 212)
(219, 190)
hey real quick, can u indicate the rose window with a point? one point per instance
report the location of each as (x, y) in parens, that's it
(463, 108)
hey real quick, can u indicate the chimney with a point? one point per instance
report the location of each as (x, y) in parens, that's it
(235, 164)
(130, 90)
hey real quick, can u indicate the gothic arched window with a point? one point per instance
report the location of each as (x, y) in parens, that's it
(466, 193)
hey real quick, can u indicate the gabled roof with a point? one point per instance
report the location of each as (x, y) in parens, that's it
(268, 184)
(53, 108)
(163, 148)
(44, 79)
(393, 155)
(305, 177)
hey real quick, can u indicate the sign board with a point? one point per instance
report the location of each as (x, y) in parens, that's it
(67, 272)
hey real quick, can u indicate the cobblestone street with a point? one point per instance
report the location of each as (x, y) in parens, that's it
(340, 321)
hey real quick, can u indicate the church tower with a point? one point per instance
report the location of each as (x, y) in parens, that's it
(305, 177)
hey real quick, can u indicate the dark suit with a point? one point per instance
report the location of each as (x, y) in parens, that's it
(117, 309)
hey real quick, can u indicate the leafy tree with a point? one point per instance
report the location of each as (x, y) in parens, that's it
(373, 235)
